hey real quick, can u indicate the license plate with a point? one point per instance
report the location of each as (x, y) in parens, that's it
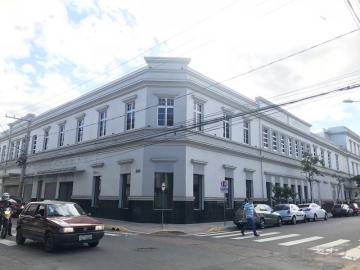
(85, 237)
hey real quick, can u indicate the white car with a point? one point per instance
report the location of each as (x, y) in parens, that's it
(313, 211)
(290, 213)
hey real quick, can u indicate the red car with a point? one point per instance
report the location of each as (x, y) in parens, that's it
(16, 205)
(356, 208)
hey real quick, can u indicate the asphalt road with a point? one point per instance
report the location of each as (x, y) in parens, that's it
(287, 247)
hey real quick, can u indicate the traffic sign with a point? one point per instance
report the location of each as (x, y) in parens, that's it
(224, 186)
(163, 186)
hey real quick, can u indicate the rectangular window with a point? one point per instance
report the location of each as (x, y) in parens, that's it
(46, 139)
(306, 193)
(300, 193)
(290, 146)
(315, 151)
(337, 162)
(246, 133)
(163, 199)
(61, 135)
(266, 137)
(11, 154)
(353, 168)
(102, 123)
(3, 153)
(329, 159)
(282, 144)
(350, 142)
(322, 155)
(17, 149)
(199, 117)
(39, 190)
(274, 141)
(249, 189)
(354, 147)
(229, 200)
(308, 149)
(166, 112)
(268, 190)
(96, 191)
(130, 115)
(226, 126)
(302, 149)
(198, 191)
(293, 189)
(125, 190)
(297, 149)
(34, 142)
(80, 130)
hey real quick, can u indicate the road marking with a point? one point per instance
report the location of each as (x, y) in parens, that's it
(352, 254)
(252, 236)
(7, 242)
(213, 234)
(276, 238)
(330, 247)
(300, 241)
(231, 235)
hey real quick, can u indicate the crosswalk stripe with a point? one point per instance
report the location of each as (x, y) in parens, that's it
(300, 241)
(213, 234)
(7, 242)
(231, 235)
(276, 238)
(352, 254)
(252, 236)
(329, 248)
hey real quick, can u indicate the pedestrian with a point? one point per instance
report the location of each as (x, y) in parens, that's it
(250, 214)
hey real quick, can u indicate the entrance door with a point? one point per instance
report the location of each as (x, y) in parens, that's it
(65, 191)
(97, 189)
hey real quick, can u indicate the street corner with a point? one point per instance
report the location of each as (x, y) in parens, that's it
(110, 227)
(168, 233)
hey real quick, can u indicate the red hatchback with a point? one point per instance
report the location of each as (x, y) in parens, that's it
(58, 223)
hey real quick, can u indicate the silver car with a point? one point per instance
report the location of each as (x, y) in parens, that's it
(290, 213)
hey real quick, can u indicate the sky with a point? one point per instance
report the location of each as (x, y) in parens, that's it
(54, 51)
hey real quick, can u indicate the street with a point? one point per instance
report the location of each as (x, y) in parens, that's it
(332, 244)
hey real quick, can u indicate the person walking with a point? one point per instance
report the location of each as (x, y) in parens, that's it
(250, 213)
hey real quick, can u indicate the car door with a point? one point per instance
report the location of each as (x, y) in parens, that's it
(299, 214)
(27, 219)
(269, 215)
(39, 222)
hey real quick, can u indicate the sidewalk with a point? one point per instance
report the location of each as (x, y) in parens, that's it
(155, 228)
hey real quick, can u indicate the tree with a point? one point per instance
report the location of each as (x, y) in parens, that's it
(309, 163)
(356, 179)
(282, 194)
(340, 181)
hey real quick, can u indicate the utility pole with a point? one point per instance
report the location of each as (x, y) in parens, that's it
(23, 157)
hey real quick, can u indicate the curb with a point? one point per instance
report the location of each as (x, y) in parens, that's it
(216, 229)
(167, 233)
(109, 227)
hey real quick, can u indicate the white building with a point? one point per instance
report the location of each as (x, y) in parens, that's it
(110, 150)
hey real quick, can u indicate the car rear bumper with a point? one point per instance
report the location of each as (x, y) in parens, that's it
(74, 238)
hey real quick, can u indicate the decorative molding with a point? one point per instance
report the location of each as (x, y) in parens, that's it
(98, 165)
(228, 111)
(102, 108)
(129, 98)
(47, 128)
(59, 171)
(165, 160)
(198, 162)
(249, 170)
(125, 161)
(230, 167)
(80, 116)
(62, 123)
(165, 95)
(199, 99)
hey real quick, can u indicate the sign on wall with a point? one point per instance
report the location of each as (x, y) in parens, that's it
(224, 186)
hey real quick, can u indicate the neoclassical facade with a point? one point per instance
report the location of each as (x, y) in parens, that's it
(112, 149)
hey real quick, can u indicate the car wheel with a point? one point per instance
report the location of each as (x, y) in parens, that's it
(93, 244)
(20, 240)
(293, 221)
(279, 222)
(326, 217)
(262, 223)
(315, 218)
(49, 243)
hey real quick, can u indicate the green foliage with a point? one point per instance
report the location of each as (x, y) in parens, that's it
(309, 166)
(282, 194)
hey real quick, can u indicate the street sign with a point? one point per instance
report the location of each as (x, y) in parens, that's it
(224, 186)
(163, 186)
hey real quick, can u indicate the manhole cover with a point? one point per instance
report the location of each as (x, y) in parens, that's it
(146, 249)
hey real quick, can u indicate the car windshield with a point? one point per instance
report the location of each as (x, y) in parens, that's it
(281, 207)
(304, 205)
(64, 210)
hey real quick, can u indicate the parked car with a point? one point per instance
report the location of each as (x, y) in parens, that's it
(313, 211)
(340, 210)
(57, 223)
(290, 213)
(355, 207)
(16, 204)
(264, 216)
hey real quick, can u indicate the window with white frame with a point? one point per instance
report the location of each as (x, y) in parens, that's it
(46, 139)
(302, 149)
(350, 142)
(33, 145)
(61, 135)
(329, 159)
(322, 155)
(274, 137)
(337, 162)
(296, 148)
(246, 132)
(282, 144)
(130, 115)
(199, 117)
(80, 129)
(265, 137)
(290, 146)
(226, 126)
(308, 149)
(354, 147)
(166, 112)
(315, 151)
(3, 152)
(17, 149)
(11, 154)
(102, 123)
